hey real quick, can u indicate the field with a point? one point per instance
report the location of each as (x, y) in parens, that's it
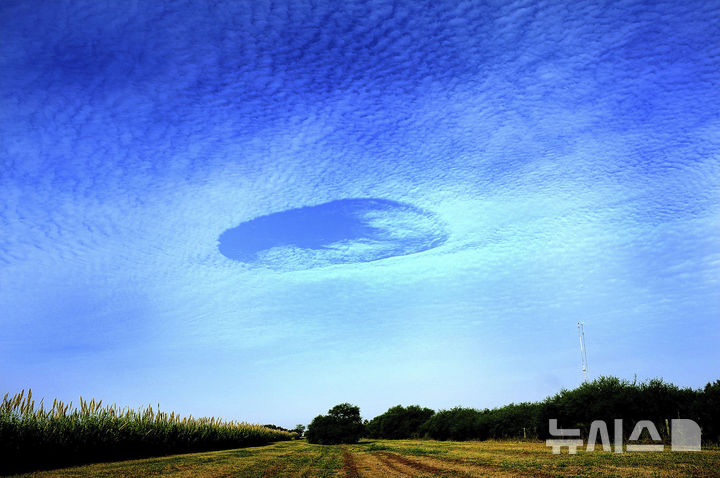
(33, 437)
(406, 458)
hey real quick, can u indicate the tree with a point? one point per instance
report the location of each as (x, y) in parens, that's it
(299, 429)
(342, 424)
(455, 424)
(398, 422)
(707, 406)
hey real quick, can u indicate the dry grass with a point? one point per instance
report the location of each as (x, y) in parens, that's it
(409, 458)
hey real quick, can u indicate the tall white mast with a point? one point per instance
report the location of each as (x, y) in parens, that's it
(583, 349)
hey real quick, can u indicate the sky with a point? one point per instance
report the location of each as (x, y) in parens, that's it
(257, 210)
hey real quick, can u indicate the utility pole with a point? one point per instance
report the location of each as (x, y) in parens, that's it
(583, 349)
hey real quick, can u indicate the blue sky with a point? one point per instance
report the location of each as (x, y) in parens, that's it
(421, 200)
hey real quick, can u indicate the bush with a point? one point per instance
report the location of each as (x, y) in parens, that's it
(342, 424)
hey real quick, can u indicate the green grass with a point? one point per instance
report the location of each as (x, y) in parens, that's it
(409, 458)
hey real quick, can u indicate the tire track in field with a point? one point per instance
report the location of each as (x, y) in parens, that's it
(453, 467)
(404, 464)
(494, 469)
(370, 465)
(349, 466)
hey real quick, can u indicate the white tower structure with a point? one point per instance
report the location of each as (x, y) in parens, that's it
(583, 349)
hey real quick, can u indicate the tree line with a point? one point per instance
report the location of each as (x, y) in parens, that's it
(605, 398)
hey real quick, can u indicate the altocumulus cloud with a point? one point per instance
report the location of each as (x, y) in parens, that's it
(342, 231)
(520, 166)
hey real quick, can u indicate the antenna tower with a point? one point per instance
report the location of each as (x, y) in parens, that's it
(583, 349)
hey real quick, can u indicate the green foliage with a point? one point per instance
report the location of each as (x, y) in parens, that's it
(455, 424)
(299, 429)
(608, 398)
(511, 421)
(707, 407)
(517, 420)
(605, 398)
(342, 424)
(398, 422)
(377, 447)
(34, 438)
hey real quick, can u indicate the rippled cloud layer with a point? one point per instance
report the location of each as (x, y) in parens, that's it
(180, 222)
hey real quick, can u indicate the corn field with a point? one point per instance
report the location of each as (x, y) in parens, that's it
(33, 438)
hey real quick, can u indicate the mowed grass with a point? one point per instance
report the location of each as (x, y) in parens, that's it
(407, 458)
